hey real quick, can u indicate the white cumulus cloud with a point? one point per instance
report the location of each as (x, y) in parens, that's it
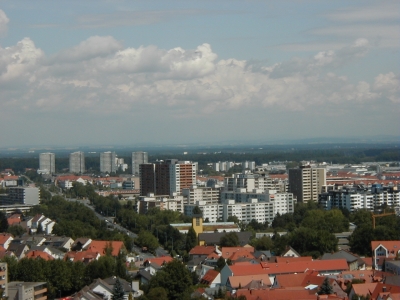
(3, 22)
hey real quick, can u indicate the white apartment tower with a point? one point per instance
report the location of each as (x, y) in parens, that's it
(306, 183)
(108, 162)
(47, 163)
(77, 162)
(138, 158)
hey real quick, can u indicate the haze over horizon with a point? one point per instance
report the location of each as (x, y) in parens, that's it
(184, 72)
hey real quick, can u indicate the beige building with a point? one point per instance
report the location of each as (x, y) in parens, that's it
(18, 290)
(306, 183)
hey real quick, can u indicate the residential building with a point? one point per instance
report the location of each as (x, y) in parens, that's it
(77, 162)
(166, 177)
(163, 202)
(4, 277)
(360, 197)
(138, 158)
(47, 163)
(207, 194)
(108, 163)
(306, 182)
(384, 250)
(21, 195)
(27, 290)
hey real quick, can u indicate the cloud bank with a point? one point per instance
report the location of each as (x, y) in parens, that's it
(100, 76)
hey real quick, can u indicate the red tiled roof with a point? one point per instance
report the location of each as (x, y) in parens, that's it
(392, 246)
(81, 255)
(298, 280)
(160, 260)
(4, 237)
(228, 251)
(202, 250)
(291, 267)
(209, 277)
(277, 294)
(236, 281)
(39, 254)
(100, 246)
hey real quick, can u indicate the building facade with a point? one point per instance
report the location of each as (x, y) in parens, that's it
(138, 158)
(47, 163)
(21, 195)
(77, 162)
(166, 177)
(306, 183)
(108, 162)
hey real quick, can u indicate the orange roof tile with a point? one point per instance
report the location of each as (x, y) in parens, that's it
(228, 251)
(100, 247)
(276, 294)
(160, 260)
(202, 250)
(209, 277)
(236, 281)
(39, 254)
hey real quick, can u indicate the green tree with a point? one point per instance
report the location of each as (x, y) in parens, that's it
(146, 239)
(175, 278)
(326, 288)
(197, 211)
(231, 239)
(157, 293)
(191, 239)
(3, 222)
(263, 243)
(360, 239)
(118, 291)
(220, 263)
(16, 230)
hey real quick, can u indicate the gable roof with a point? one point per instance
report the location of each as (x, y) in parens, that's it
(100, 247)
(391, 246)
(209, 277)
(236, 281)
(287, 268)
(298, 280)
(159, 260)
(5, 237)
(287, 259)
(202, 250)
(226, 252)
(38, 254)
(277, 294)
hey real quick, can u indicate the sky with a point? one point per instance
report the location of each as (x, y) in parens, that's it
(186, 72)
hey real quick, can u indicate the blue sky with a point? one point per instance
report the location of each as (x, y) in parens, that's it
(137, 72)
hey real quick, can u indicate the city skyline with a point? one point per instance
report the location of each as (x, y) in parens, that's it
(191, 72)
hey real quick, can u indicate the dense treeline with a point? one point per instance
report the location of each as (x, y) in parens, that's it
(331, 153)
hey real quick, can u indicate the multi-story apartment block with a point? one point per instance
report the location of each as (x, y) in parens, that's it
(77, 162)
(166, 178)
(173, 202)
(108, 162)
(213, 212)
(138, 158)
(22, 195)
(306, 182)
(354, 198)
(47, 163)
(195, 194)
(253, 181)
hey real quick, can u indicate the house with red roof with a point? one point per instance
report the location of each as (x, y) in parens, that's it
(82, 256)
(39, 254)
(101, 247)
(14, 219)
(212, 278)
(276, 294)
(227, 252)
(375, 291)
(382, 250)
(326, 267)
(5, 240)
(237, 282)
